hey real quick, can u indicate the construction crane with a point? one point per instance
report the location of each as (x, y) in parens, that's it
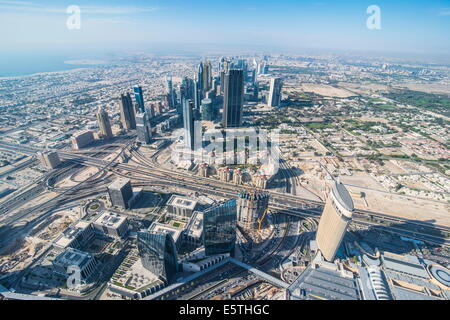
(261, 219)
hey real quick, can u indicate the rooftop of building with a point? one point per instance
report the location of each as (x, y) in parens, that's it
(70, 233)
(342, 195)
(194, 228)
(406, 264)
(72, 256)
(110, 219)
(182, 202)
(119, 183)
(321, 283)
(82, 132)
(174, 231)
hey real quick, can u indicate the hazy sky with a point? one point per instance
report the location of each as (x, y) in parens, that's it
(406, 26)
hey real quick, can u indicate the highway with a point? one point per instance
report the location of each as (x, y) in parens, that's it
(284, 203)
(147, 171)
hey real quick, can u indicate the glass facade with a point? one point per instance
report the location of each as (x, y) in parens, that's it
(158, 254)
(139, 97)
(219, 228)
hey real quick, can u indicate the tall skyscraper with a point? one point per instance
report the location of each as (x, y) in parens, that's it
(104, 124)
(158, 254)
(139, 97)
(187, 89)
(233, 98)
(223, 67)
(208, 111)
(276, 84)
(170, 94)
(143, 128)
(219, 228)
(204, 76)
(127, 115)
(335, 218)
(188, 123)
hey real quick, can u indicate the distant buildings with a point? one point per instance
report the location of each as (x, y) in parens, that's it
(104, 124)
(121, 193)
(219, 228)
(276, 84)
(233, 99)
(127, 115)
(335, 218)
(82, 139)
(49, 159)
(158, 254)
(143, 128)
(139, 97)
(251, 208)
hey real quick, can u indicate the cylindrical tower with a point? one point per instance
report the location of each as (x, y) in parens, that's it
(334, 221)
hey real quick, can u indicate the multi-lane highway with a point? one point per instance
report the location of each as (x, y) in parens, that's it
(145, 171)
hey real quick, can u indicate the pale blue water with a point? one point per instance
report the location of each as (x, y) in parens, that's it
(27, 63)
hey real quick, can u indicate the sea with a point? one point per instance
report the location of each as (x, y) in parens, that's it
(28, 63)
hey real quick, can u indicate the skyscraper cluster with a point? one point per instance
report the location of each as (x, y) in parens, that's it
(136, 117)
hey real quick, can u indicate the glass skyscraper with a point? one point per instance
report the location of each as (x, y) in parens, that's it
(219, 228)
(127, 115)
(158, 254)
(233, 98)
(139, 97)
(188, 123)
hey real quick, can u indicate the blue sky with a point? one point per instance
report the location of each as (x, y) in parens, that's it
(406, 26)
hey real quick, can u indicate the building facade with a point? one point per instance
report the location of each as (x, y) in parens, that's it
(219, 228)
(139, 97)
(276, 85)
(333, 223)
(251, 208)
(82, 139)
(143, 128)
(120, 193)
(127, 114)
(104, 124)
(49, 159)
(158, 254)
(233, 99)
(188, 123)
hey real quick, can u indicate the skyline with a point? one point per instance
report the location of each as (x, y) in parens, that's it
(406, 27)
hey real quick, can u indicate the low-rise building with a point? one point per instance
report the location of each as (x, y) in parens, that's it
(75, 236)
(73, 260)
(111, 224)
(181, 206)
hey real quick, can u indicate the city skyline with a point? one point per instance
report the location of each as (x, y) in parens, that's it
(161, 150)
